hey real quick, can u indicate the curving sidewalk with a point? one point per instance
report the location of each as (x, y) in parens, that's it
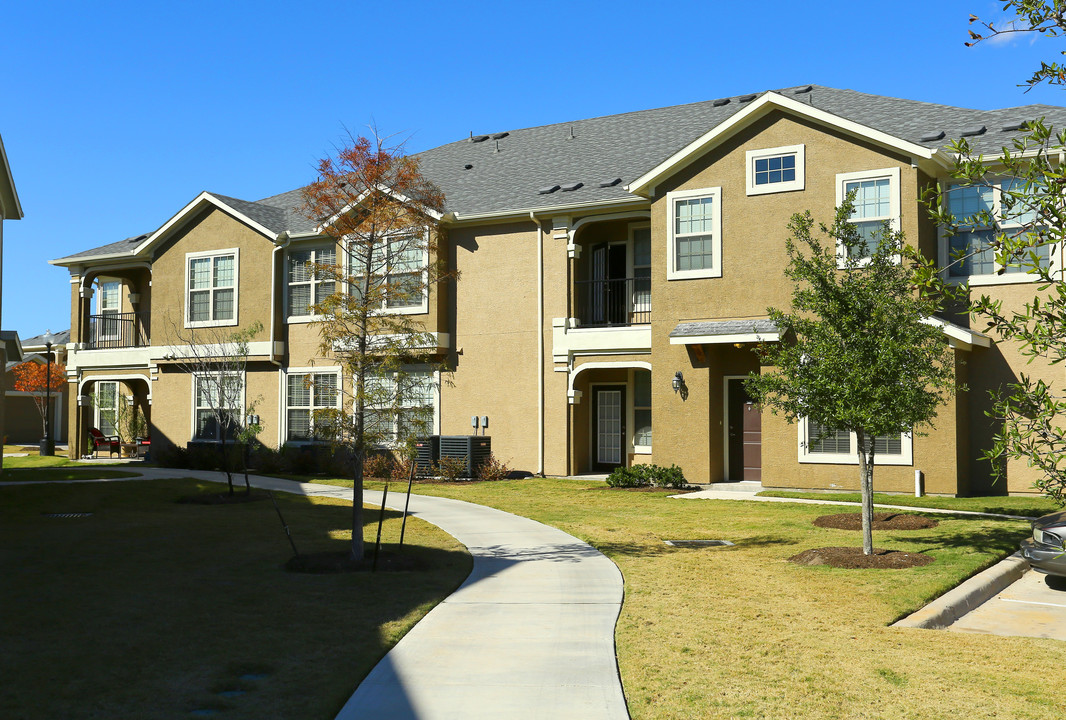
(530, 634)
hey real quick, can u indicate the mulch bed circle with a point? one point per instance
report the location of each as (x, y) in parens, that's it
(852, 558)
(881, 521)
(328, 563)
(223, 498)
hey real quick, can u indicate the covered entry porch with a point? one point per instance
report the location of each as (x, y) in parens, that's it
(610, 415)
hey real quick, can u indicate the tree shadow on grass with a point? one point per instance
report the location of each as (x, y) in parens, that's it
(1000, 538)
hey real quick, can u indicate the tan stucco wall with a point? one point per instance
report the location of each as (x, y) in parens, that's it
(210, 231)
(496, 336)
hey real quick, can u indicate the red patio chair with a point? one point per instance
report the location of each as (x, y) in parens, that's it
(99, 440)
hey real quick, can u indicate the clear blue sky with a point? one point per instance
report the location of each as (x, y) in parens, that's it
(116, 114)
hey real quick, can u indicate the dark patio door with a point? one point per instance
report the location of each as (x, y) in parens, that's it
(608, 299)
(745, 434)
(609, 427)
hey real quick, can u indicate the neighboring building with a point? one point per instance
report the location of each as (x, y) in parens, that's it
(10, 209)
(599, 260)
(23, 423)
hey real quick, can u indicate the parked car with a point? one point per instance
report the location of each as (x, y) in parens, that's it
(1045, 550)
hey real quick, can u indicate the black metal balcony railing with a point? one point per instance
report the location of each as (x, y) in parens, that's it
(619, 301)
(118, 330)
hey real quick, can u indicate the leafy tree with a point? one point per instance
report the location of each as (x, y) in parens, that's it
(860, 353)
(32, 377)
(1032, 221)
(373, 203)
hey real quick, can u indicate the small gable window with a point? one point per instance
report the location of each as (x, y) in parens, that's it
(772, 170)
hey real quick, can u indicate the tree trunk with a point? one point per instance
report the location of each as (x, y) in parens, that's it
(866, 471)
(225, 463)
(357, 507)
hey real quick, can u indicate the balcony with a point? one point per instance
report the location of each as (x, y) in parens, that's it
(617, 302)
(118, 330)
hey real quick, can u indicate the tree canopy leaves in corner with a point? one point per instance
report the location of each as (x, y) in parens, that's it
(381, 218)
(860, 351)
(1024, 235)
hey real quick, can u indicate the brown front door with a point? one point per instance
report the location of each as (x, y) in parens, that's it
(745, 434)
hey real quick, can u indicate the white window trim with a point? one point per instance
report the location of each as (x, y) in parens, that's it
(101, 311)
(284, 399)
(751, 156)
(635, 305)
(716, 233)
(235, 252)
(97, 408)
(423, 307)
(298, 319)
(192, 400)
(631, 414)
(435, 423)
(894, 195)
(906, 456)
(997, 277)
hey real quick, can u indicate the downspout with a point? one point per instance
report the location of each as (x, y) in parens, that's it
(540, 344)
(280, 244)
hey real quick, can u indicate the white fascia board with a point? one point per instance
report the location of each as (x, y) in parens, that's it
(726, 339)
(9, 198)
(967, 338)
(90, 259)
(455, 218)
(203, 198)
(757, 109)
(399, 197)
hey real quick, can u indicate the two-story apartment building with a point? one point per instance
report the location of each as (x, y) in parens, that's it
(615, 276)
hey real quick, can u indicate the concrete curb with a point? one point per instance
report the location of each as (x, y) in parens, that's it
(955, 603)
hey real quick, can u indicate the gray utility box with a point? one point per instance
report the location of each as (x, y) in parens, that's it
(427, 454)
(472, 450)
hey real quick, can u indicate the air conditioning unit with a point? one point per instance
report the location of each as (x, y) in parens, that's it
(472, 450)
(427, 453)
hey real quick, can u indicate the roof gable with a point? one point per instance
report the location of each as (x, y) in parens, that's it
(769, 102)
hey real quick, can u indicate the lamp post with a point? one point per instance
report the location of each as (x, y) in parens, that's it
(47, 446)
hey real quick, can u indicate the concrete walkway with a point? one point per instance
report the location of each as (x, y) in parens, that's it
(530, 634)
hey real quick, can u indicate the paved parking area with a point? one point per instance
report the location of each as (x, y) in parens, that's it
(1033, 606)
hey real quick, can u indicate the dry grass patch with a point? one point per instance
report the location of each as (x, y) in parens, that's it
(740, 632)
(147, 608)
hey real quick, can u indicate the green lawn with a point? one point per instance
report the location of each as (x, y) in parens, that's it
(1016, 505)
(36, 461)
(743, 633)
(152, 609)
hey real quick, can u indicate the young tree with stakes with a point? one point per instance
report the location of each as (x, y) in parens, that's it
(859, 352)
(381, 214)
(216, 360)
(1031, 223)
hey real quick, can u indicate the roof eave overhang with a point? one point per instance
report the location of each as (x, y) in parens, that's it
(959, 337)
(398, 197)
(645, 185)
(185, 214)
(456, 218)
(9, 198)
(12, 345)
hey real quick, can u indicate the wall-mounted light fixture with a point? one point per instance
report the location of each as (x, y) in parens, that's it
(135, 298)
(678, 382)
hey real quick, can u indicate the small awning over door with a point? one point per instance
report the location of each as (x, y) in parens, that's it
(725, 331)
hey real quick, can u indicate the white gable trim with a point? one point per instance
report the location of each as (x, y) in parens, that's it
(399, 197)
(757, 109)
(204, 198)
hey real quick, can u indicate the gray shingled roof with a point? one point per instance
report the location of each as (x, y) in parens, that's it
(61, 338)
(507, 174)
(724, 327)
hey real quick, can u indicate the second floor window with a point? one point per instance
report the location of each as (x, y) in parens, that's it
(396, 271)
(211, 292)
(695, 233)
(306, 287)
(876, 200)
(981, 213)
